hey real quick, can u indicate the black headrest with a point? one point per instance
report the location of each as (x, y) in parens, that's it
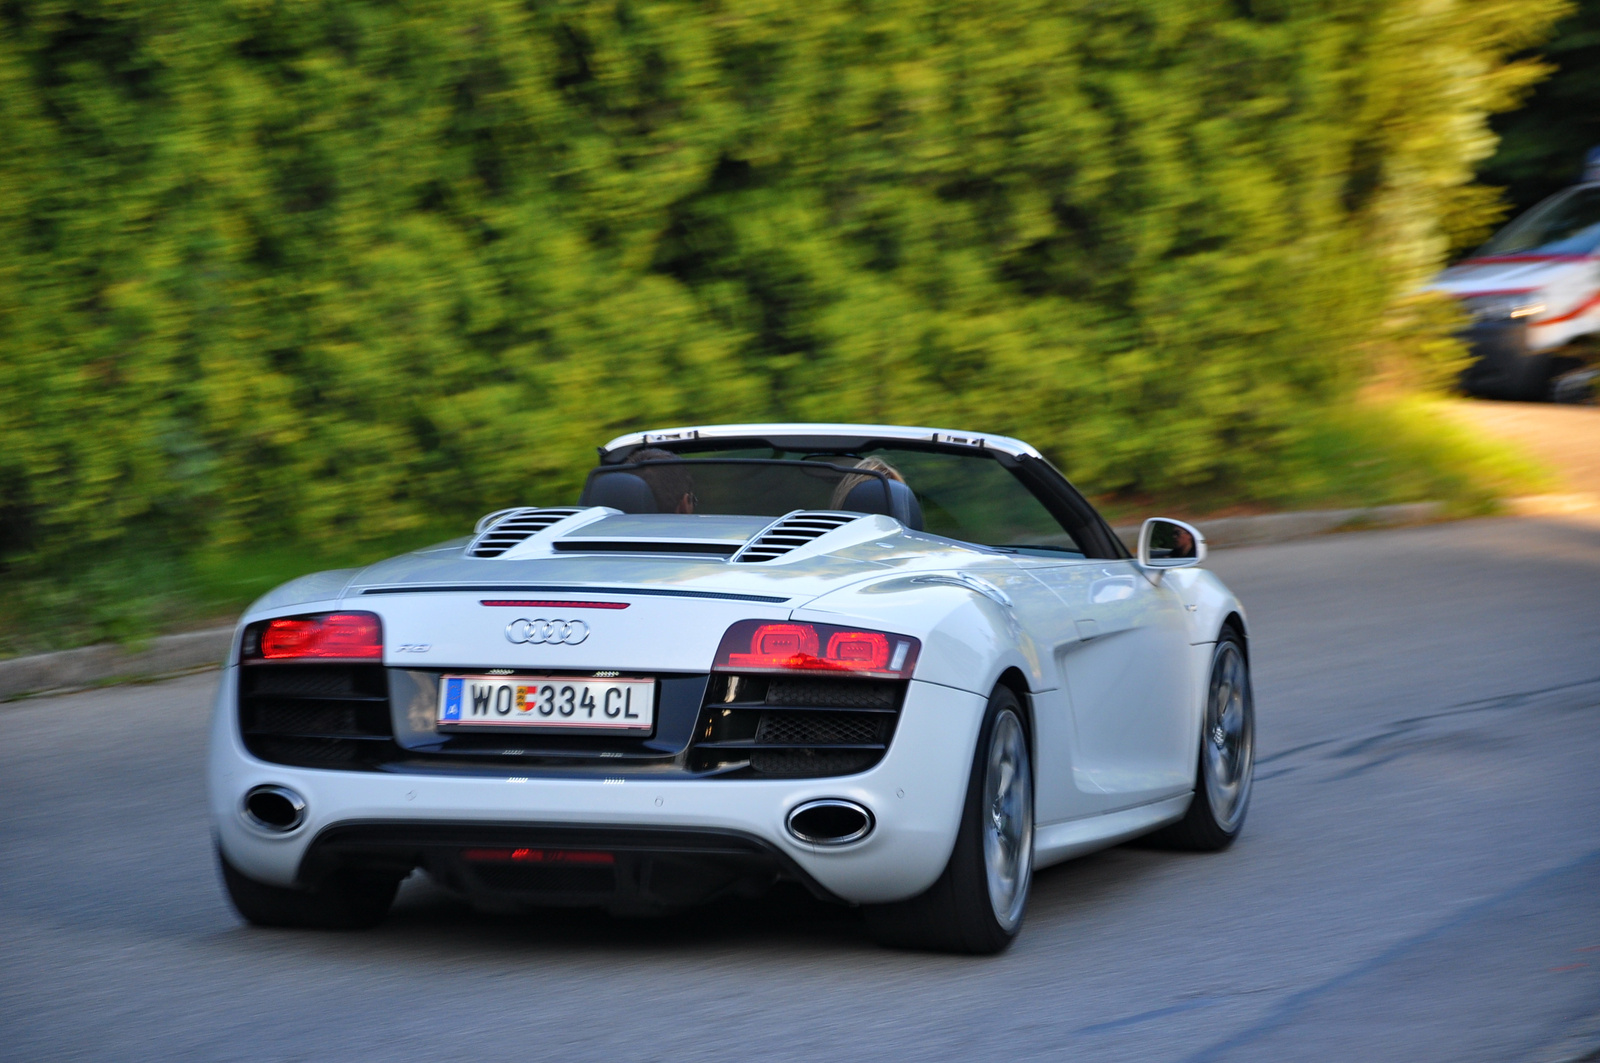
(619, 490)
(901, 504)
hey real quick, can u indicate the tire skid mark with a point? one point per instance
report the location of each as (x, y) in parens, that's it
(1148, 1016)
(1386, 734)
(1289, 1008)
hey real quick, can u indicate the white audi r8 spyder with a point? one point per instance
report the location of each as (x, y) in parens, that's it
(903, 667)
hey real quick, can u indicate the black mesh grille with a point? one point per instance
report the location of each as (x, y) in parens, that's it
(795, 726)
(805, 763)
(833, 693)
(316, 714)
(306, 681)
(305, 752)
(818, 728)
(313, 717)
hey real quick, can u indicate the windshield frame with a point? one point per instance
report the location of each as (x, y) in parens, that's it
(1533, 217)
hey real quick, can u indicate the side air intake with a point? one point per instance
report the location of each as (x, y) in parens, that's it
(790, 533)
(499, 532)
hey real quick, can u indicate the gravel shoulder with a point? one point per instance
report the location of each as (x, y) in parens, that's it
(1566, 438)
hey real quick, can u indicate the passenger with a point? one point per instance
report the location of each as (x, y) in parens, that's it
(672, 485)
(854, 480)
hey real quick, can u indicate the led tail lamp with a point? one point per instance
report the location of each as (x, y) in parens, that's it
(768, 646)
(319, 637)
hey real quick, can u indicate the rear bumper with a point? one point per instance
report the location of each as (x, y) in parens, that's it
(643, 870)
(385, 818)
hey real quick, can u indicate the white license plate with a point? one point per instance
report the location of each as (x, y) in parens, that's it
(548, 702)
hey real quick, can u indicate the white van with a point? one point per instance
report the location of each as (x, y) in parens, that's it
(1532, 289)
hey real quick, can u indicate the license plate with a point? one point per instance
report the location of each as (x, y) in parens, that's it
(547, 702)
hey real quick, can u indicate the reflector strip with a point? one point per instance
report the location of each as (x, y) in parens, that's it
(535, 856)
(1582, 308)
(545, 603)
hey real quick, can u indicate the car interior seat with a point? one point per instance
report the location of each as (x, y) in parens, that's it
(619, 490)
(901, 504)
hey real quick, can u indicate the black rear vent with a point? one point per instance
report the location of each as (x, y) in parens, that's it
(316, 715)
(791, 533)
(641, 546)
(505, 530)
(799, 726)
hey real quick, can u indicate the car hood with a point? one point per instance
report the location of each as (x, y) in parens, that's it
(1515, 274)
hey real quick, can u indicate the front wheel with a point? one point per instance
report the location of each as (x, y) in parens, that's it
(1227, 757)
(977, 904)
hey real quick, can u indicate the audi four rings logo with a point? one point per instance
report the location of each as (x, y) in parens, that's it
(547, 632)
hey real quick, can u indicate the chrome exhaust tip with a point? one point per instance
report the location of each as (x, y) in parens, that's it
(274, 809)
(829, 821)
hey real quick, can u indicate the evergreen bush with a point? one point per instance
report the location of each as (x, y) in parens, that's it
(321, 271)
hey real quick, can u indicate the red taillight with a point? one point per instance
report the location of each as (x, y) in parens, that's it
(772, 644)
(866, 650)
(760, 646)
(324, 636)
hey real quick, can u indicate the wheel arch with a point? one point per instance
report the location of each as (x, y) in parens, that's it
(1013, 680)
(1235, 622)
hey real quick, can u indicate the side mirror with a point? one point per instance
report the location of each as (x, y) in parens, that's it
(1165, 543)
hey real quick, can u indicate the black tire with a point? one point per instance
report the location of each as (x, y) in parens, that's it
(1216, 814)
(1532, 379)
(345, 901)
(958, 913)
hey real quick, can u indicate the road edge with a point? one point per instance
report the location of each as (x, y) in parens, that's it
(88, 666)
(94, 665)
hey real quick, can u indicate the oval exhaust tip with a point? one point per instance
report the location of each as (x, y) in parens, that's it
(830, 821)
(276, 809)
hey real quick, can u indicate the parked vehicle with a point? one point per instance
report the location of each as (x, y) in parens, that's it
(1532, 290)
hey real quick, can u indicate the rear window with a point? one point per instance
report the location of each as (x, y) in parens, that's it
(973, 499)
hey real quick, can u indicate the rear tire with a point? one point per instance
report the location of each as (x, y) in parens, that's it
(344, 901)
(978, 903)
(1226, 765)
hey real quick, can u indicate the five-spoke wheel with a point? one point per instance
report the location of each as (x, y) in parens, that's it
(977, 905)
(1227, 756)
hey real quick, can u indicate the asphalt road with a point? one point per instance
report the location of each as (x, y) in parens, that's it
(1419, 878)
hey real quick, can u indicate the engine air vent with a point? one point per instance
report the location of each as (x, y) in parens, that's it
(514, 526)
(791, 533)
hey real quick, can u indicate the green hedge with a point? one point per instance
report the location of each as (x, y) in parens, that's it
(319, 272)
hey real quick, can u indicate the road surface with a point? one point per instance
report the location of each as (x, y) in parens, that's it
(1419, 878)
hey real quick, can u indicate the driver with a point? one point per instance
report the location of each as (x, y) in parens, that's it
(672, 485)
(854, 480)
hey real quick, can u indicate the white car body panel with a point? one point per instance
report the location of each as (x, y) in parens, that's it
(1113, 664)
(1566, 287)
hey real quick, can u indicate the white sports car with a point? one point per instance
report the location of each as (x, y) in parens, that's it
(901, 666)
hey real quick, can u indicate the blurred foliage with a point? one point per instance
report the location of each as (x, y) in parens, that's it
(320, 273)
(1542, 143)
